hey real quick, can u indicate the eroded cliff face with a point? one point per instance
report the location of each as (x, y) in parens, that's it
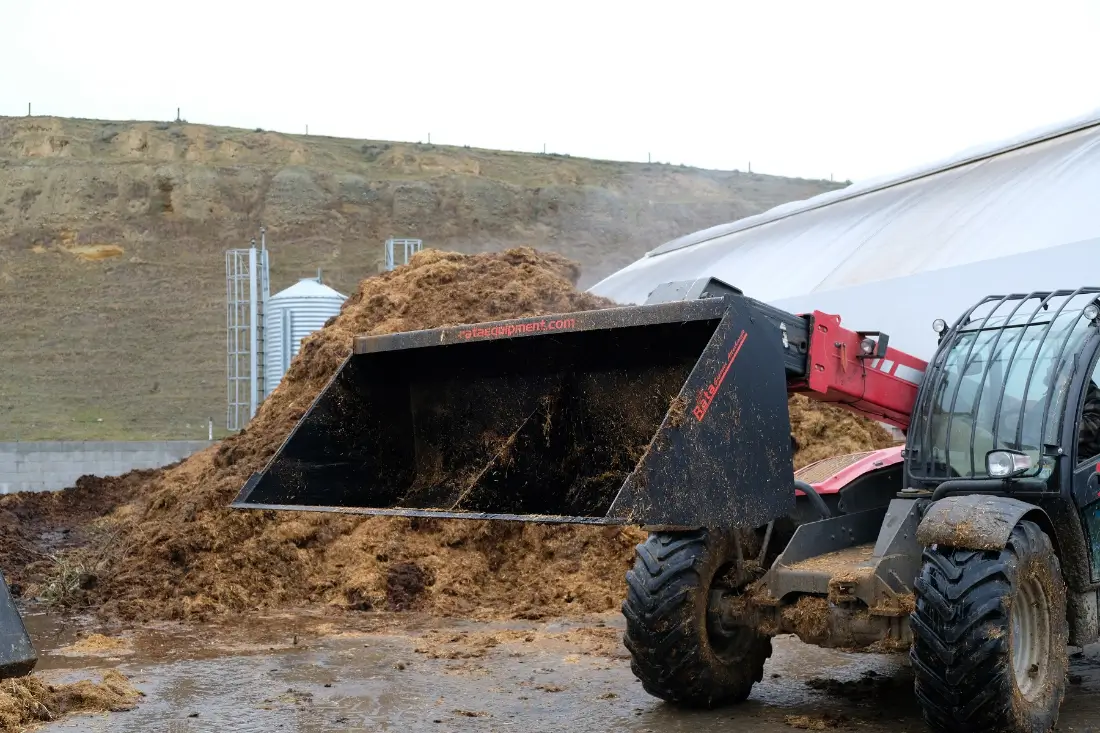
(112, 238)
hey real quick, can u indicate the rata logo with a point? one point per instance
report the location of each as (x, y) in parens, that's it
(707, 394)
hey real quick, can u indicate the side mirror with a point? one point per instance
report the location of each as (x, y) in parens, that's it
(1006, 463)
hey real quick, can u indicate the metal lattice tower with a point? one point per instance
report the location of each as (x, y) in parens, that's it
(248, 286)
(265, 295)
(408, 246)
(237, 338)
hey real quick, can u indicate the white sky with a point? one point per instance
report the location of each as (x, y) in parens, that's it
(850, 89)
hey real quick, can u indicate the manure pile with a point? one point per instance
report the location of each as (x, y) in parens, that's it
(164, 544)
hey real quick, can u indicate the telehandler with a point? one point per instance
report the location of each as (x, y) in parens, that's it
(974, 548)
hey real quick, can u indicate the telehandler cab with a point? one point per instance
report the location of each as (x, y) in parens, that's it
(975, 547)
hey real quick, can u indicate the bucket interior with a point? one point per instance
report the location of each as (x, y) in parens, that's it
(549, 425)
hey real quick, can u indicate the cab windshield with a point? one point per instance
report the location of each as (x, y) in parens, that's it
(1002, 386)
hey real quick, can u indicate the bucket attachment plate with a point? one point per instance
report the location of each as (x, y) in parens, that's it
(661, 415)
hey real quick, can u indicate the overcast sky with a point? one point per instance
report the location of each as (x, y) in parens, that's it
(850, 89)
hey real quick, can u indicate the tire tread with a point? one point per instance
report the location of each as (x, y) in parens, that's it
(960, 654)
(668, 645)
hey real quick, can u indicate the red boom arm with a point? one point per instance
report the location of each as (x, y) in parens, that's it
(880, 386)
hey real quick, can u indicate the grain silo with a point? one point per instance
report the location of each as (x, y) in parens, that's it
(290, 316)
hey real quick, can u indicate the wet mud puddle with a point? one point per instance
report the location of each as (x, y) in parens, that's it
(312, 674)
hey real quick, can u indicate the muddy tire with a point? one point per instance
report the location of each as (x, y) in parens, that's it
(989, 637)
(675, 655)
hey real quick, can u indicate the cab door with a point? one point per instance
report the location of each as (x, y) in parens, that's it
(1086, 489)
(1086, 478)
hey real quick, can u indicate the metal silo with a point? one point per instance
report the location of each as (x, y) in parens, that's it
(290, 316)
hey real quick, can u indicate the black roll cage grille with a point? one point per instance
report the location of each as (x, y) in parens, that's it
(983, 317)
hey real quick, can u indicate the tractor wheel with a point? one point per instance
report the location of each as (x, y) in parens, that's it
(989, 637)
(675, 653)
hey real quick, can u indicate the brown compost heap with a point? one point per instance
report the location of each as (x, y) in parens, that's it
(26, 701)
(164, 544)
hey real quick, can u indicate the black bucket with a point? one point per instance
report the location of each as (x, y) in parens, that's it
(672, 415)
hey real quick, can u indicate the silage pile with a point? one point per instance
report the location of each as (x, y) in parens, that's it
(26, 701)
(172, 549)
(824, 431)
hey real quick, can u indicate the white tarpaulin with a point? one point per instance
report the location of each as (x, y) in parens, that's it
(894, 254)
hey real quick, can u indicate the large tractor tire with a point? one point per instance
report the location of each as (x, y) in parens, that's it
(675, 653)
(989, 637)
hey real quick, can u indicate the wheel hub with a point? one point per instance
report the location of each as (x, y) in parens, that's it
(1030, 631)
(725, 639)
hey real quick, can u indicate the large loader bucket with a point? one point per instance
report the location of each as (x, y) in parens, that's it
(660, 415)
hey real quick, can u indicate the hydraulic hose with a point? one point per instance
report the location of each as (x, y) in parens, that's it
(815, 498)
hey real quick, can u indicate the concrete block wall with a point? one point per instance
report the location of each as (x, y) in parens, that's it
(53, 465)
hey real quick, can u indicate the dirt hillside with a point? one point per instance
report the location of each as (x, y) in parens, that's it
(112, 240)
(167, 546)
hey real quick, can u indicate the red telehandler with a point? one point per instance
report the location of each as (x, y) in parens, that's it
(975, 548)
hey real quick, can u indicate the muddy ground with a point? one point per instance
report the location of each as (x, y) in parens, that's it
(392, 672)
